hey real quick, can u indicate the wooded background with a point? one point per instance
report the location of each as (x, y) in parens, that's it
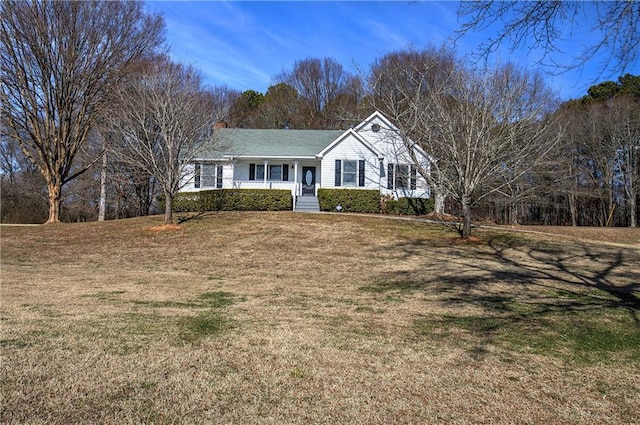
(506, 148)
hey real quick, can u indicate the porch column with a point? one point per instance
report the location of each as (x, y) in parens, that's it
(266, 170)
(295, 177)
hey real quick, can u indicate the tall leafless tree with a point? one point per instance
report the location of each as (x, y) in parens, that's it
(625, 132)
(166, 117)
(396, 77)
(319, 83)
(483, 130)
(60, 62)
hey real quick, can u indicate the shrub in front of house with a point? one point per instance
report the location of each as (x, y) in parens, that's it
(351, 200)
(407, 206)
(233, 200)
(182, 202)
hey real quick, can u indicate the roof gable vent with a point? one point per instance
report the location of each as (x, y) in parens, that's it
(375, 128)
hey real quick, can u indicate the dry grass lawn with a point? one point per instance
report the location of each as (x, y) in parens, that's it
(274, 318)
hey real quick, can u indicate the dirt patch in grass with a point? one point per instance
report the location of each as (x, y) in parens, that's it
(315, 318)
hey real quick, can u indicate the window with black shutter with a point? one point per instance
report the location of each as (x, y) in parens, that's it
(338, 181)
(401, 176)
(361, 173)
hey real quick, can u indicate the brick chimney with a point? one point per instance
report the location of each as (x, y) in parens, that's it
(220, 124)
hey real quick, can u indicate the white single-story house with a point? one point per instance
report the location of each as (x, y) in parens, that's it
(370, 155)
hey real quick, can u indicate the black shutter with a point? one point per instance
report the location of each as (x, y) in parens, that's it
(361, 173)
(390, 176)
(338, 172)
(414, 176)
(252, 171)
(219, 176)
(196, 183)
(285, 172)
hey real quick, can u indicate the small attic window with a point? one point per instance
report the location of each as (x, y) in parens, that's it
(375, 128)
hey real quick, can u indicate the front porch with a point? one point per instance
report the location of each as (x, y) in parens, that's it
(301, 177)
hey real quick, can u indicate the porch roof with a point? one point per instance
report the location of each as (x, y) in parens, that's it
(255, 143)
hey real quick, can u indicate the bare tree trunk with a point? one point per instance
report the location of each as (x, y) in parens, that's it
(168, 208)
(466, 218)
(102, 208)
(633, 215)
(513, 210)
(572, 209)
(55, 198)
(439, 198)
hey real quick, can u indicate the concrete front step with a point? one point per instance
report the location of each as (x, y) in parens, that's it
(307, 204)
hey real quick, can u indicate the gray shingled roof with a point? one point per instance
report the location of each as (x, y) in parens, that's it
(271, 143)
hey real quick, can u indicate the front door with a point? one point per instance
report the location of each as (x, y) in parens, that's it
(309, 181)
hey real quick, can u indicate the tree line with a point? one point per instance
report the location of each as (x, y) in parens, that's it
(97, 122)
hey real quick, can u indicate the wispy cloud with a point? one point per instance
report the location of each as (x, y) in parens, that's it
(244, 44)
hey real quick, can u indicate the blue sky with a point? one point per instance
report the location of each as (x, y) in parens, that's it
(243, 44)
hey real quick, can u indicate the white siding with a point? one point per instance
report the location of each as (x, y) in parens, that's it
(390, 145)
(227, 175)
(350, 149)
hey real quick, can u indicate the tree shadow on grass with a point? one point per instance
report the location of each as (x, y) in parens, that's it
(514, 286)
(591, 276)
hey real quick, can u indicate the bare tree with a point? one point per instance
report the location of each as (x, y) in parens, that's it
(483, 130)
(166, 118)
(319, 83)
(543, 24)
(397, 76)
(624, 121)
(60, 61)
(22, 188)
(611, 132)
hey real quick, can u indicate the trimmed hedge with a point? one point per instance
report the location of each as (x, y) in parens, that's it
(408, 206)
(234, 200)
(351, 200)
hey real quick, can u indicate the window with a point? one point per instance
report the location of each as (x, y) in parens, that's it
(259, 172)
(207, 176)
(256, 172)
(401, 176)
(196, 177)
(349, 173)
(275, 172)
